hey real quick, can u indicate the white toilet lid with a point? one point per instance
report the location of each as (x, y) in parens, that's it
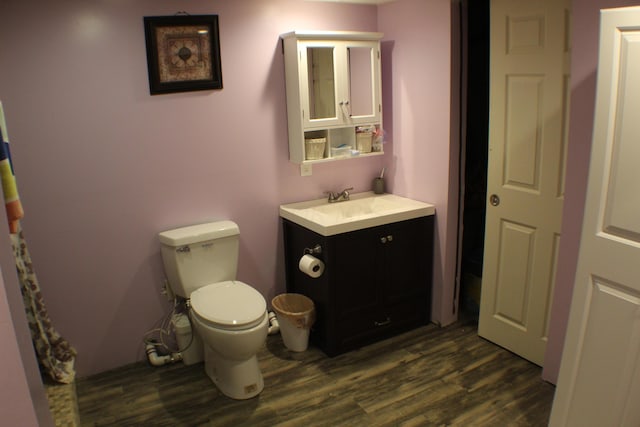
(229, 304)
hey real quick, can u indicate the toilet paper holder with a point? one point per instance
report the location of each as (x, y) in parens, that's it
(317, 249)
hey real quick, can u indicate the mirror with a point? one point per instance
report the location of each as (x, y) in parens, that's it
(322, 85)
(360, 81)
(355, 89)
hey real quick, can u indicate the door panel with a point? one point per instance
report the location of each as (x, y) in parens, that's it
(523, 132)
(620, 216)
(514, 284)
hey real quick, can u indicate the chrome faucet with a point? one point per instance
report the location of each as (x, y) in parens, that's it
(339, 197)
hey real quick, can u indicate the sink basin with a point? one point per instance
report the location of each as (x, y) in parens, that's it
(364, 210)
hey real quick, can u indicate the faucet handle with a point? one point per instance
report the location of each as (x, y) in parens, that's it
(332, 196)
(345, 192)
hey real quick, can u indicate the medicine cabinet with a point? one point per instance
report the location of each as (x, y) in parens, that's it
(334, 105)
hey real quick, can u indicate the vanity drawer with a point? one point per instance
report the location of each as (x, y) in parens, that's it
(365, 328)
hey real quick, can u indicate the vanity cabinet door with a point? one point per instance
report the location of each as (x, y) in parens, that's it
(358, 260)
(355, 282)
(355, 272)
(406, 282)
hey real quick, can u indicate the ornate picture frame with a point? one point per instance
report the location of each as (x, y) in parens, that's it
(183, 53)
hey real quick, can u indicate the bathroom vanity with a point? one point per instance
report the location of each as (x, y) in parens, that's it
(378, 267)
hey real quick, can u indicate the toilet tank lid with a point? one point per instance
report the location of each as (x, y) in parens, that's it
(198, 233)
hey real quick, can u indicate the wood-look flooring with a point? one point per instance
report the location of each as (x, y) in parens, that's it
(431, 376)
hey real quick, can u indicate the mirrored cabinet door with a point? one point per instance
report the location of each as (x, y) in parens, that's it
(363, 73)
(319, 84)
(322, 83)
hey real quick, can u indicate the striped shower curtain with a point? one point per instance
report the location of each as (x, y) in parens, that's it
(55, 354)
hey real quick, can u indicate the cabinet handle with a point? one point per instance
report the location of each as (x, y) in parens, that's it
(382, 323)
(386, 239)
(344, 106)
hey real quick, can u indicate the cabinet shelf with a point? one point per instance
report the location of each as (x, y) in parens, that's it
(331, 159)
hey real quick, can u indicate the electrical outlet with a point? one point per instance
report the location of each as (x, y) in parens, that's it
(305, 169)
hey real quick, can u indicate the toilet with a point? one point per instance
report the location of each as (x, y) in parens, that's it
(230, 317)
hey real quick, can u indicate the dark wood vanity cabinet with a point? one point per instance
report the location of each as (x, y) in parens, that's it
(376, 283)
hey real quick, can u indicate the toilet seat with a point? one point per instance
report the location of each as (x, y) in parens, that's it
(229, 305)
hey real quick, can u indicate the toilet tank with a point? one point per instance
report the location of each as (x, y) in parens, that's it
(198, 255)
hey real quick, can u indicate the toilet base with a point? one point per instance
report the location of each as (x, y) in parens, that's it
(237, 379)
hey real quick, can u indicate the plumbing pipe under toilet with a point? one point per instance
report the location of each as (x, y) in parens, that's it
(157, 360)
(274, 327)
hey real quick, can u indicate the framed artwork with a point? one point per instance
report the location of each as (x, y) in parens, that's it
(183, 53)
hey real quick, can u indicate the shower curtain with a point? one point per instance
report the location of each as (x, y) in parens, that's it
(55, 354)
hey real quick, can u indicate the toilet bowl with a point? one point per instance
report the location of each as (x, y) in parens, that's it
(231, 318)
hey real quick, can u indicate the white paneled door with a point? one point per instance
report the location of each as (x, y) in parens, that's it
(529, 76)
(599, 381)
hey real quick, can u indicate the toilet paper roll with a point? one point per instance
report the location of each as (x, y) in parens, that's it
(311, 266)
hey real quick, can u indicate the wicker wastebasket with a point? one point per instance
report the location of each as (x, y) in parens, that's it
(296, 314)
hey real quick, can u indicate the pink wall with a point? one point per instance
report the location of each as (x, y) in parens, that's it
(103, 167)
(424, 161)
(584, 61)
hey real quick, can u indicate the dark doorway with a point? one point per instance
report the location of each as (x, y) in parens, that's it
(476, 148)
